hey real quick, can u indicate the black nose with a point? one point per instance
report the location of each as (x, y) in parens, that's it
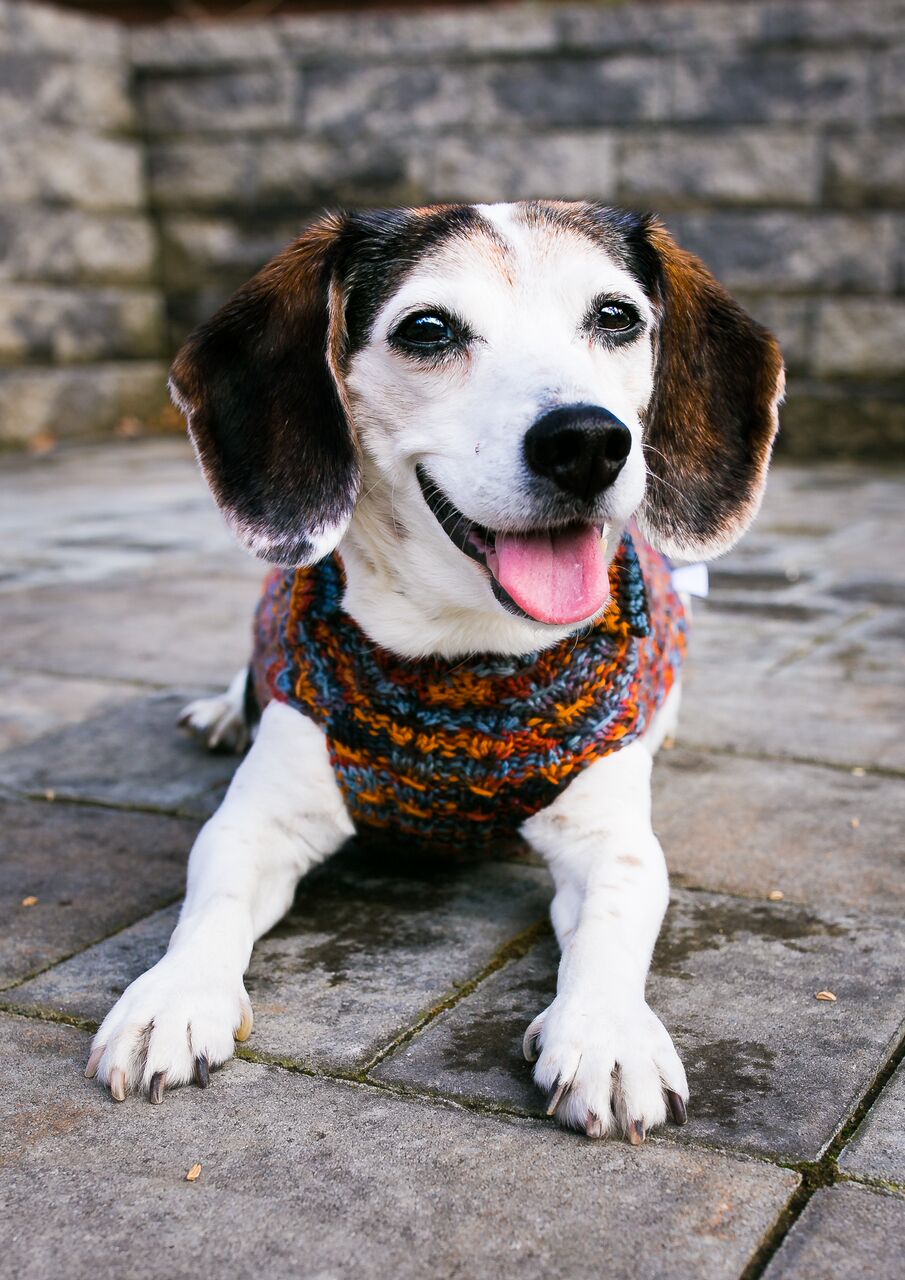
(579, 447)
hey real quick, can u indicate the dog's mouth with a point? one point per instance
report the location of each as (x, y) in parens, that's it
(557, 576)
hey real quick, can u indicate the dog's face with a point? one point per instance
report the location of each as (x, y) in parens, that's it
(485, 394)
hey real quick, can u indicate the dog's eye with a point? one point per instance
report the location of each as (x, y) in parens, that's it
(425, 331)
(616, 317)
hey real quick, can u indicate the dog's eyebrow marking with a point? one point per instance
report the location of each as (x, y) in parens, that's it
(385, 246)
(622, 235)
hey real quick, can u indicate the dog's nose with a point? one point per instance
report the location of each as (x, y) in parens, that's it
(580, 447)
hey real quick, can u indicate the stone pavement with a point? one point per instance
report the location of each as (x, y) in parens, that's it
(380, 1121)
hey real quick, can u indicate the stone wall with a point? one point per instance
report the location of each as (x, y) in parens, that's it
(82, 332)
(770, 135)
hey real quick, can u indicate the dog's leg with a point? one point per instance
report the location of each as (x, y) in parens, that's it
(222, 722)
(604, 1058)
(283, 813)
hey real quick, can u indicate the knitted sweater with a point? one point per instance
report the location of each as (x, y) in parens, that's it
(457, 749)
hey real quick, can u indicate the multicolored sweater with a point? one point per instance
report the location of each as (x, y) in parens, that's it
(448, 750)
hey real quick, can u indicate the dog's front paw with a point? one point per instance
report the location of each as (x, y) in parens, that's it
(606, 1067)
(171, 1026)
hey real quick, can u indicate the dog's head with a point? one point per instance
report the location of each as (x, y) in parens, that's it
(484, 393)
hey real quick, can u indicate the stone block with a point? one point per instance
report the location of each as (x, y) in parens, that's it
(421, 35)
(78, 401)
(280, 173)
(860, 337)
(34, 704)
(339, 1178)
(788, 252)
(890, 82)
(789, 318)
(237, 101)
(36, 91)
(571, 93)
(93, 871)
(130, 756)
(69, 246)
(671, 168)
(877, 1150)
(180, 44)
(660, 28)
(751, 826)
(843, 1232)
(313, 39)
(220, 252)
(565, 165)
(824, 23)
(138, 513)
(777, 85)
(47, 29)
(835, 709)
(388, 101)
(71, 168)
(832, 420)
(771, 1069)
(866, 169)
(59, 325)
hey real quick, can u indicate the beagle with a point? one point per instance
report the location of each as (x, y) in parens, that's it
(470, 434)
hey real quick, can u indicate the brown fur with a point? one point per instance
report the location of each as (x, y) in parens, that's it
(713, 418)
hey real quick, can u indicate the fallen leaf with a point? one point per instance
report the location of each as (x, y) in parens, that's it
(856, 823)
(858, 772)
(776, 895)
(826, 995)
(195, 1172)
(30, 901)
(42, 443)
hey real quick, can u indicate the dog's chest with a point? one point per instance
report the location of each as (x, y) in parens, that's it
(453, 751)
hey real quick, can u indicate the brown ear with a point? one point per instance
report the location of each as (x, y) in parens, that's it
(710, 425)
(260, 387)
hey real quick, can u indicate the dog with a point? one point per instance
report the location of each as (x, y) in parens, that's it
(472, 433)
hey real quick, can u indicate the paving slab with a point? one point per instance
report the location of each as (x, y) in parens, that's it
(82, 514)
(817, 834)
(33, 705)
(134, 756)
(732, 700)
(369, 946)
(845, 1233)
(806, 614)
(92, 871)
(190, 629)
(877, 1151)
(313, 1178)
(771, 1069)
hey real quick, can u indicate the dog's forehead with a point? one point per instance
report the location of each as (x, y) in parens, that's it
(525, 249)
(508, 251)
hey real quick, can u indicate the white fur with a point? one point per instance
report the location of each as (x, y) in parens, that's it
(219, 722)
(282, 814)
(599, 1035)
(409, 587)
(414, 592)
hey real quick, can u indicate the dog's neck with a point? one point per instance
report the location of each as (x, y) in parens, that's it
(419, 601)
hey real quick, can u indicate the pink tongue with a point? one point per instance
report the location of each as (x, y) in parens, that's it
(555, 577)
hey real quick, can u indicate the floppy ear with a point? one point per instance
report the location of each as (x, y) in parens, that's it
(710, 426)
(260, 387)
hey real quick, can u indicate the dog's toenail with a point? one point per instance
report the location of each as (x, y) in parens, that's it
(676, 1106)
(157, 1087)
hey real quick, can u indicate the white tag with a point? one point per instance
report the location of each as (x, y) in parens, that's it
(691, 579)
